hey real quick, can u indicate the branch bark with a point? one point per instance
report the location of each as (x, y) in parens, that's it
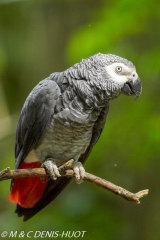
(65, 171)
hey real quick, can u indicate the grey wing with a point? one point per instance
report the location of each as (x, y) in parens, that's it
(35, 115)
(55, 187)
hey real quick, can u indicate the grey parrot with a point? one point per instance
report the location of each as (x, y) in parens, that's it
(62, 119)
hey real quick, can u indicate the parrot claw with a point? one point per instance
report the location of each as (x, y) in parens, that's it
(79, 172)
(51, 168)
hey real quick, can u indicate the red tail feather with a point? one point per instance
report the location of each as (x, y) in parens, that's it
(27, 191)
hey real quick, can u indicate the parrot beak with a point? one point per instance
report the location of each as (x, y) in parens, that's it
(132, 88)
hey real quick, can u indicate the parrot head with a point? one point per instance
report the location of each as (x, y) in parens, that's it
(115, 75)
(126, 77)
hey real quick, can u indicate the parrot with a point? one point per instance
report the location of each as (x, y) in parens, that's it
(62, 119)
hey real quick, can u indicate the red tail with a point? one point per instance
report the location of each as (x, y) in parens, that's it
(27, 191)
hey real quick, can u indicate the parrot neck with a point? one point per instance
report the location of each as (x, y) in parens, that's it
(104, 83)
(91, 96)
(80, 86)
(89, 84)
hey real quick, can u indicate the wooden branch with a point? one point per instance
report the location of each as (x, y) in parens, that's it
(65, 171)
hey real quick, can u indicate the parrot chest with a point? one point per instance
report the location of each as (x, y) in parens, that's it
(64, 140)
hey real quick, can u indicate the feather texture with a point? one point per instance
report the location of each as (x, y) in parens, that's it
(63, 117)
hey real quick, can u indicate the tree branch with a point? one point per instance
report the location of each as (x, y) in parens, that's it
(65, 171)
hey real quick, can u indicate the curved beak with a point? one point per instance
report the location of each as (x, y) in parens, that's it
(132, 88)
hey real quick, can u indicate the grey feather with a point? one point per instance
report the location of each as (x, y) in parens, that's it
(64, 115)
(35, 116)
(55, 187)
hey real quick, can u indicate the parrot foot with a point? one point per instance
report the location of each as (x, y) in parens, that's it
(51, 168)
(79, 172)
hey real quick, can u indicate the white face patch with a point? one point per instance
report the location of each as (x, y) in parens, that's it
(121, 73)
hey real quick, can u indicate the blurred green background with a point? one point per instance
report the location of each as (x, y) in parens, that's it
(40, 37)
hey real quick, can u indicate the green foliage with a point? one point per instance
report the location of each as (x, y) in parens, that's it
(112, 24)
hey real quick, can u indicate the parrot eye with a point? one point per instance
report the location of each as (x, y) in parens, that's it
(118, 69)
